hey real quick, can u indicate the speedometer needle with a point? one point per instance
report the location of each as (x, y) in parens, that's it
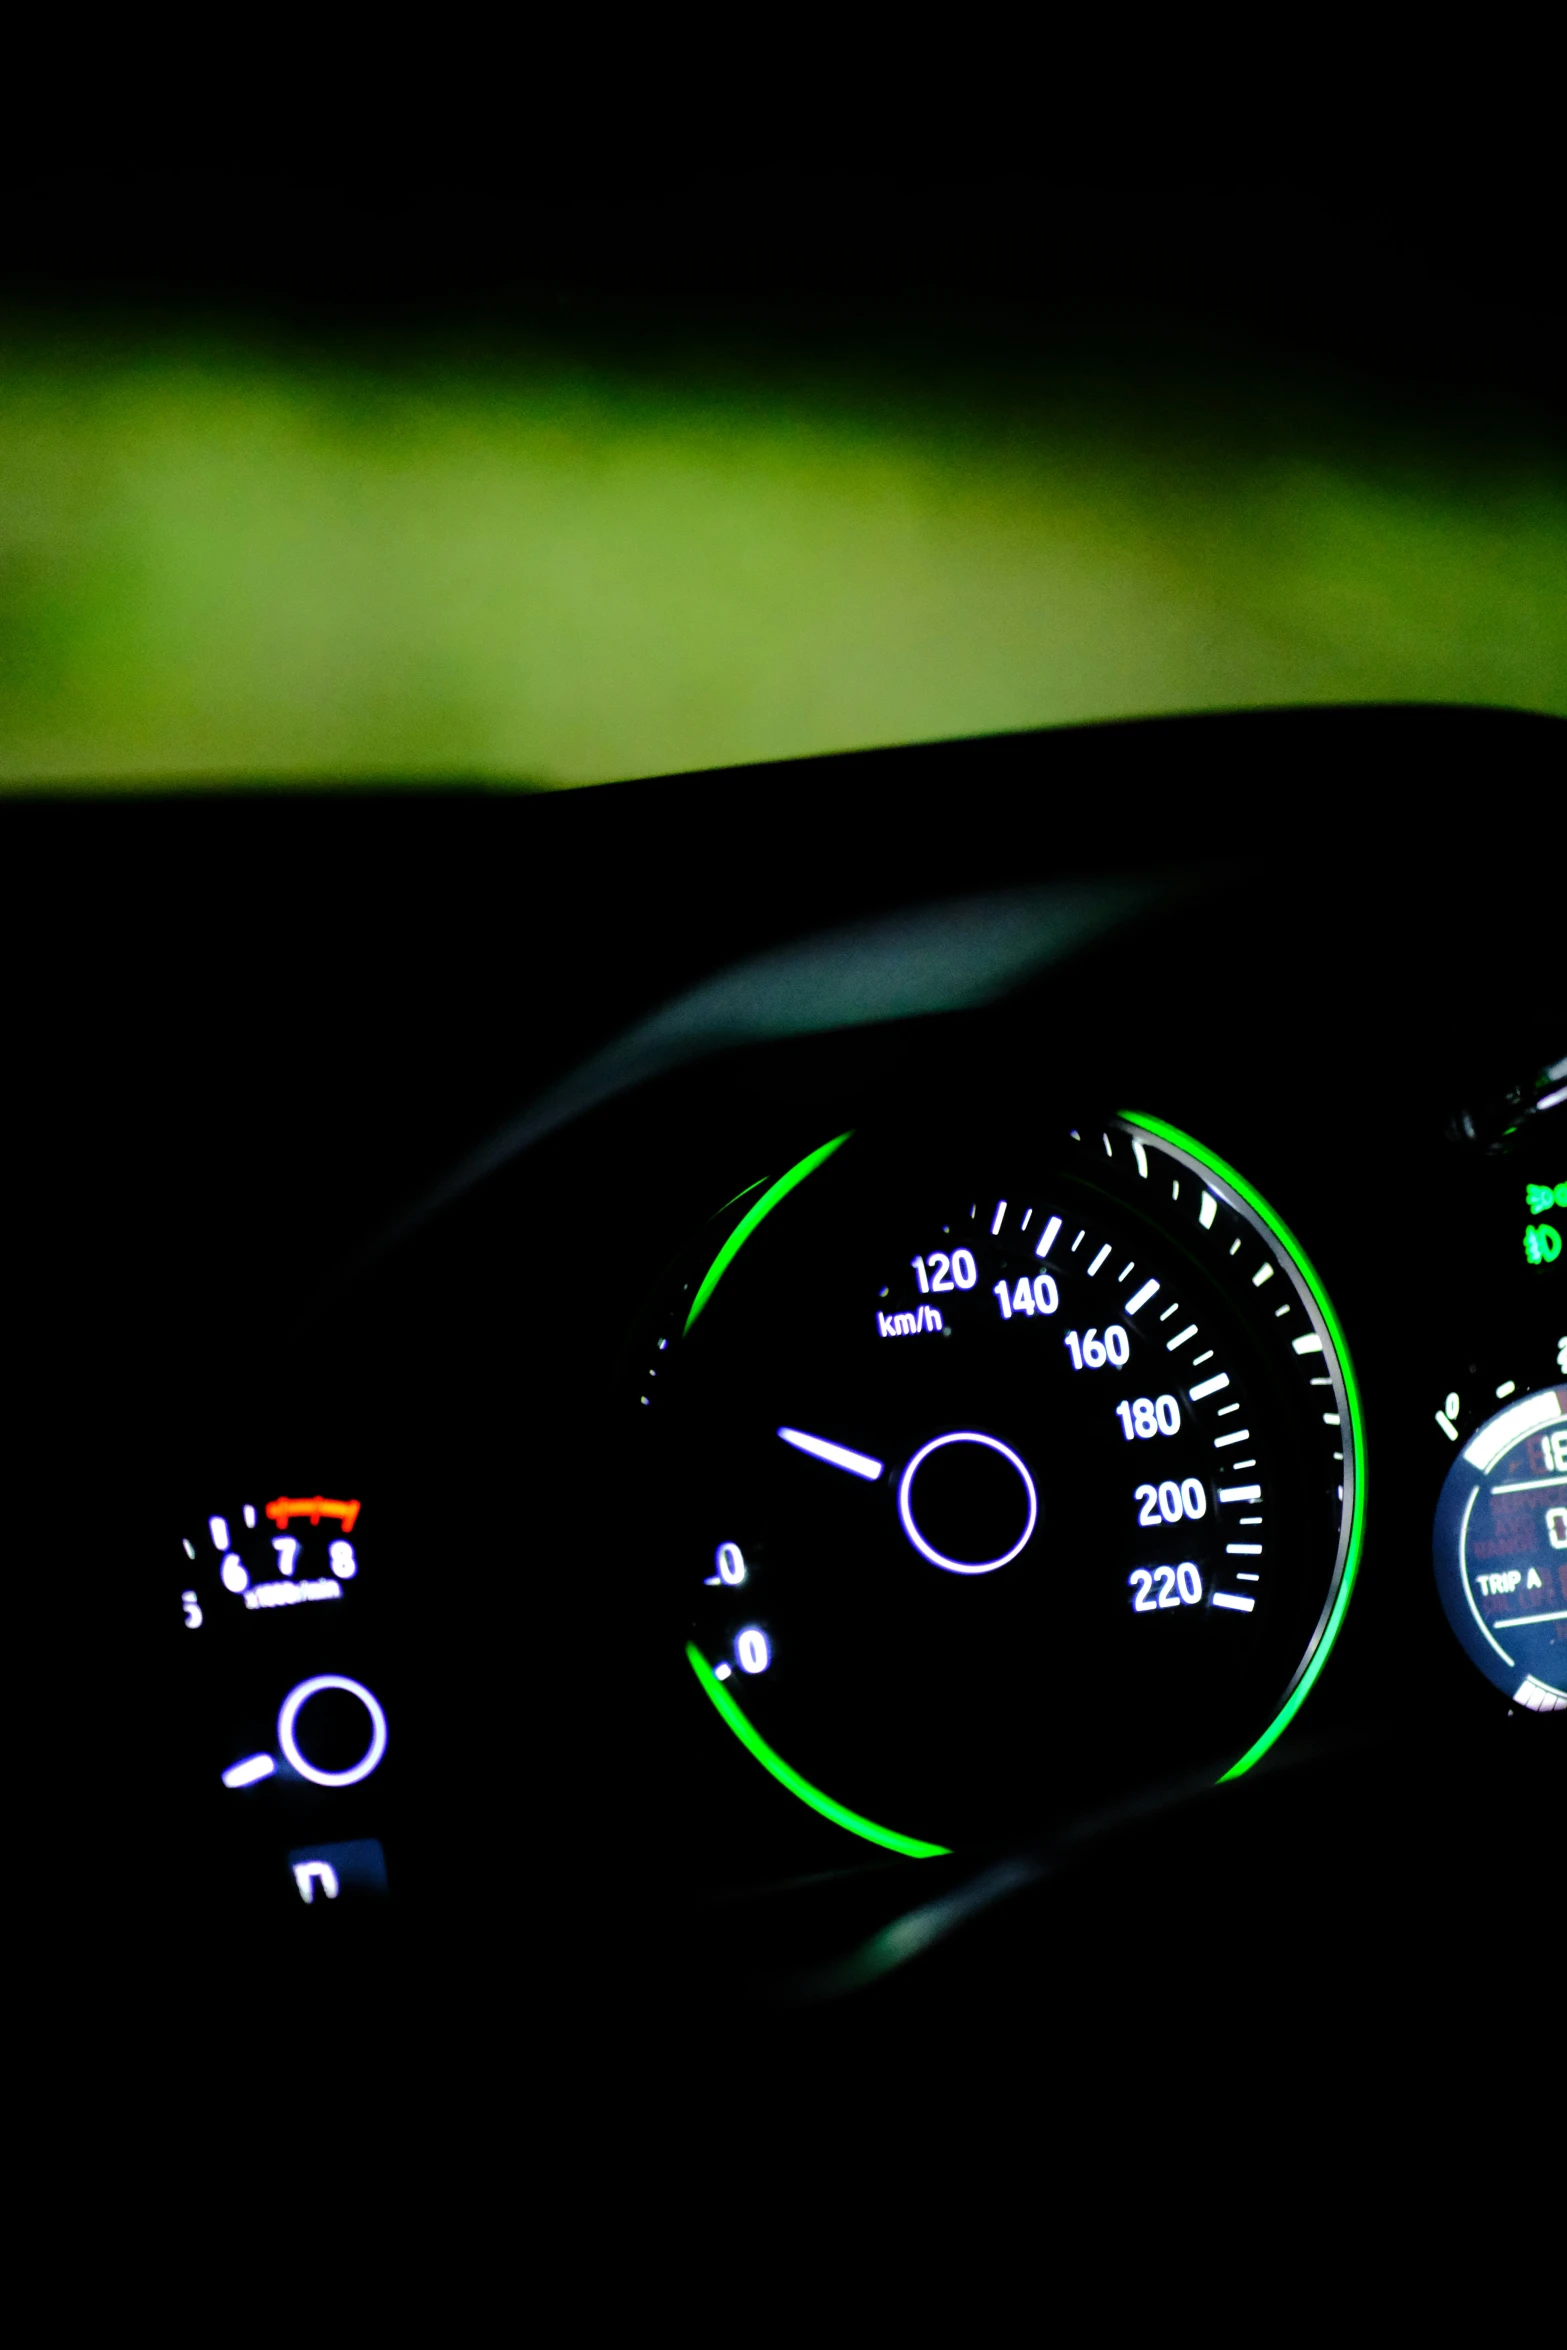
(837, 1456)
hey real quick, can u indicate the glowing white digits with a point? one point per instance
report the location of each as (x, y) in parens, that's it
(1090, 1352)
(1177, 1587)
(941, 1272)
(1144, 1417)
(1169, 1503)
(1038, 1296)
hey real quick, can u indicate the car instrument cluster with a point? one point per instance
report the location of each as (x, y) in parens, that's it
(966, 1488)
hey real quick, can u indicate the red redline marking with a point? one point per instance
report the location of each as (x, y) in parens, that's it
(315, 1508)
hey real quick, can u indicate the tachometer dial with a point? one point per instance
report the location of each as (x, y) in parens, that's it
(986, 1501)
(282, 1730)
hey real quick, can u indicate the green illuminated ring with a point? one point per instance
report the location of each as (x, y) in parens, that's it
(753, 1216)
(1332, 1623)
(913, 1847)
(787, 1776)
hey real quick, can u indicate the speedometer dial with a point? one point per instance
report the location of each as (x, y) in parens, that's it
(991, 1491)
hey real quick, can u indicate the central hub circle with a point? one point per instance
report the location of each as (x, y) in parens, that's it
(976, 1501)
(348, 1729)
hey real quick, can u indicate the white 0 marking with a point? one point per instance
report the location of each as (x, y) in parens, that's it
(752, 1653)
(905, 1512)
(729, 1559)
(1207, 1387)
(289, 1712)
(1135, 1305)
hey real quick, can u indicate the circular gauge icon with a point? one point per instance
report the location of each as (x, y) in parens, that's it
(1500, 1550)
(989, 1490)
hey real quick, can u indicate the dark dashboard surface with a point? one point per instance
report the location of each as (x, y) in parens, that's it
(355, 1143)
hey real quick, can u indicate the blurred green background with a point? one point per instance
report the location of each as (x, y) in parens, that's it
(231, 549)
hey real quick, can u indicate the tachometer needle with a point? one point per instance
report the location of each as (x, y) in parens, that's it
(837, 1456)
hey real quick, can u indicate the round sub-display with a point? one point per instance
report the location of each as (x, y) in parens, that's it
(366, 1739)
(1499, 1547)
(976, 1499)
(992, 1491)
